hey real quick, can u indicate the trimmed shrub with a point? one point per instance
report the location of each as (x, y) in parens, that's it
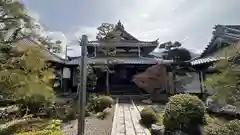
(104, 102)
(97, 103)
(148, 116)
(184, 112)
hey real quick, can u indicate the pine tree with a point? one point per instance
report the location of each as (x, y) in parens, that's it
(26, 77)
(226, 83)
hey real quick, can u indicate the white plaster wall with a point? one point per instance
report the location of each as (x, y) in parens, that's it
(66, 73)
(192, 83)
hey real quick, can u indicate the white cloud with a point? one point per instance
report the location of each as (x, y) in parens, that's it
(59, 36)
(187, 21)
(75, 34)
(89, 31)
(53, 35)
(178, 19)
(34, 15)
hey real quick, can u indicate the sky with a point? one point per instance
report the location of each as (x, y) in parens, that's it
(189, 21)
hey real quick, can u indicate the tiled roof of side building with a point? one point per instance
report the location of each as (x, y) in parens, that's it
(233, 26)
(220, 35)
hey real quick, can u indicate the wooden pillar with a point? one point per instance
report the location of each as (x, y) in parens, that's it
(171, 83)
(201, 79)
(61, 78)
(95, 51)
(82, 86)
(71, 80)
(165, 79)
(139, 51)
(107, 82)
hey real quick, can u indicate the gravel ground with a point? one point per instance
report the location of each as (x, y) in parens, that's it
(93, 126)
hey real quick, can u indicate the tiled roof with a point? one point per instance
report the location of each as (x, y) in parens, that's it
(199, 61)
(222, 33)
(141, 60)
(121, 43)
(77, 61)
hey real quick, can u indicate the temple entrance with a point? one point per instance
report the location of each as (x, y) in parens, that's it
(120, 82)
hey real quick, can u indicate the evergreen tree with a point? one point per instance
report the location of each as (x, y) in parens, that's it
(26, 77)
(226, 83)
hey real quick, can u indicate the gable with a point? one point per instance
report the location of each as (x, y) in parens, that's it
(124, 35)
(120, 34)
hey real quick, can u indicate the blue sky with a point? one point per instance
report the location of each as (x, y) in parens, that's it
(189, 21)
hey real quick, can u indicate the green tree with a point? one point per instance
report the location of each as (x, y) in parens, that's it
(26, 78)
(106, 32)
(14, 21)
(226, 83)
(153, 77)
(175, 52)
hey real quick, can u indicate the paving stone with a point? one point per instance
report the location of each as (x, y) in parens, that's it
(121, 134)
(130, 131)
(121, 129)
(128, 121)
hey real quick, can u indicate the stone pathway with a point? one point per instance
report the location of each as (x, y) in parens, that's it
(126, 120)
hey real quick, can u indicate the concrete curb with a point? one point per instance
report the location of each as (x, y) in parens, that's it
(115, 118)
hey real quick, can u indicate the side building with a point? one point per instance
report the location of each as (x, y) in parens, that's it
(225, 38)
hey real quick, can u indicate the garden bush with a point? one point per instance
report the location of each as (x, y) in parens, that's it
(32, 127)
(148, 116)
(42, 132)
(97, 103)
(230, 128)
(160, 117)
(92, 102)
(184, 112)
(71, 114)
(213, 125)
(104, 102)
